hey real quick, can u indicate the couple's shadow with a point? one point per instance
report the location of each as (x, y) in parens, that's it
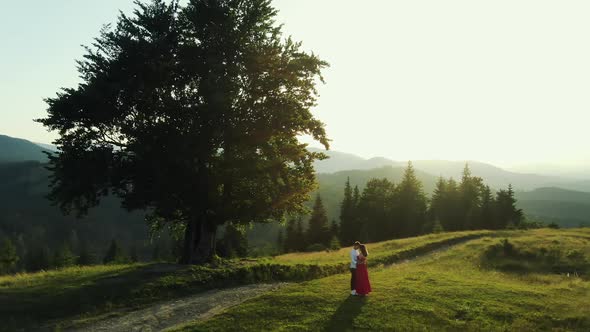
(343, 318)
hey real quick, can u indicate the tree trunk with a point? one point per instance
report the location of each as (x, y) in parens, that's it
(199, 242)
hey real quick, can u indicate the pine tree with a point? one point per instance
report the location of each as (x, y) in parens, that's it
(300, 240)
(8, 257)
(347, 211)
(437, 201)
(280, 241)
(376, 222)
(470, 192)
(115, 254)
(133, 254)
(85, 257)
(334, 229)
(412, 201)
(63, 257)
(318, 231)
(487, 209)
(38, 259)
(291, 236)
(506, 212)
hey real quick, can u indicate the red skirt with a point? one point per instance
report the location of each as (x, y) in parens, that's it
(363, 286)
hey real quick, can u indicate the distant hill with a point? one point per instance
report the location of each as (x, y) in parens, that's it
(567, 208)
(49, 147)
(494, 176)
(554, 194)
(17, 150)
(25, 211)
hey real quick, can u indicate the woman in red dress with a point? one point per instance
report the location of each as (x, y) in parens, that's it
(363, 286)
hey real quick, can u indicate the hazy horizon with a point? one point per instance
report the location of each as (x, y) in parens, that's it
(503, 82)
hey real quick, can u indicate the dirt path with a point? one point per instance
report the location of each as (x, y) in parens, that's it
(171, 313)
(202, 306)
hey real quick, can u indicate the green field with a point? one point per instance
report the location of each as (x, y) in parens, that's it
(472, 286)
(83, 294)
(481, 280)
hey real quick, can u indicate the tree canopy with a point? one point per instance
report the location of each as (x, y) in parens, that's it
(192, 113)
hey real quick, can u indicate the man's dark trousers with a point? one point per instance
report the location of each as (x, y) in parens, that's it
(352, 279)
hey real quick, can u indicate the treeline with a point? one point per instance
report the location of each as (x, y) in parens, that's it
(385, 210)
(319, 235)
(18, 256)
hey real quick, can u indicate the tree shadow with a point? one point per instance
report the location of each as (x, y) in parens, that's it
(343, 318)
(38, 306)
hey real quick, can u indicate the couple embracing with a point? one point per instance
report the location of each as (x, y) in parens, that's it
(359, 279)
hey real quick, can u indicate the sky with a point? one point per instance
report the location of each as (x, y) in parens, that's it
(504, 82)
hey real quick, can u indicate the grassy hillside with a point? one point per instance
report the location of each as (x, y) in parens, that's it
(473, 286)
(83, 294)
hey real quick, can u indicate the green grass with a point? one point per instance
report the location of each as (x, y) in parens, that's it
(378, 251)
(77, 295)
(448, 291)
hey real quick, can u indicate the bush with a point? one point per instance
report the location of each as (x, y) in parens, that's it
(506, 256)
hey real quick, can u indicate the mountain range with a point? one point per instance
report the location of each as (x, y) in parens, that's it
(25, 182)
(496, 177)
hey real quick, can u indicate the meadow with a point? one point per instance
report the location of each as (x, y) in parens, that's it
(520, 281)
(80, 295)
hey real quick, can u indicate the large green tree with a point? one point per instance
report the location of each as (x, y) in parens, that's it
(192, 113)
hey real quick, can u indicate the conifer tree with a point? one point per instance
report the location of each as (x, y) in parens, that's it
(376, 223)
(114, 254)
(506, 212)
(133, 254)
(300, 240)
(280, 241)
(85, 257)
(347, 212)
(412, 207)
(470, 193)
(63, 257)
(487, 209)
(8, 256)
(318, 231)
(334, 229)
(291, 236)
(38, 258)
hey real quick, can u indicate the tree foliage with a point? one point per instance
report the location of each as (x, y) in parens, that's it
(193, 113)
(318, 231)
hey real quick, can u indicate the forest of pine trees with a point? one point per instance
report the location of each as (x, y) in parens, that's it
(385, 210)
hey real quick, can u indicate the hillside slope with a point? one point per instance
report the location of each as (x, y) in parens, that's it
(454, 290)
(567, 208)
(18, 150)
(496, 177)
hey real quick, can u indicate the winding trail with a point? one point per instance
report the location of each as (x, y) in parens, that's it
(201, 306)
(172, 313)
